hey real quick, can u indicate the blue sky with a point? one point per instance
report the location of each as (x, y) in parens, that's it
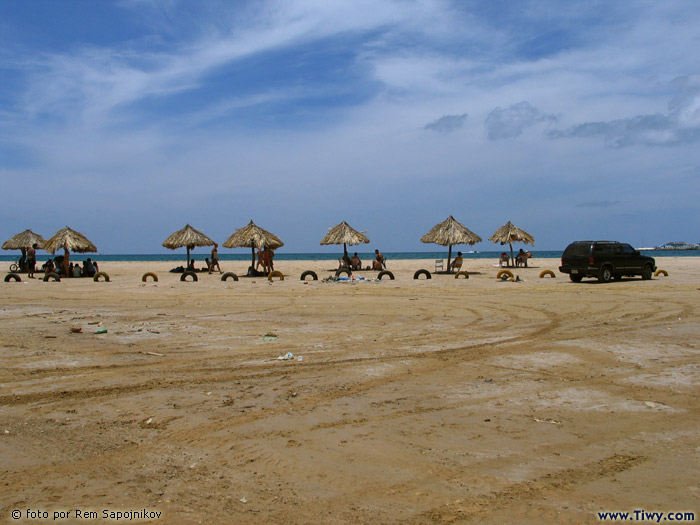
(125, 120)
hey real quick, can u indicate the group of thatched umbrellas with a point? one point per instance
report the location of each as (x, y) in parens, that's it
(65, 239)
(450, 233)
(447, 233)
(251, 236)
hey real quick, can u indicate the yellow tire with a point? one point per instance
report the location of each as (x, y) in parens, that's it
(659, 272)
(464, 273)
(101, 274)
(149, 274)
(543, 273)
(501, 273)
(275, 274)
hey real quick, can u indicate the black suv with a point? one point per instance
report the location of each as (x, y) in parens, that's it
(604, 260)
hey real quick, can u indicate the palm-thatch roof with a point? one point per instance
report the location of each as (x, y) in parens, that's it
(24, 240)
(448, 233)
(189, 238)
(253, 236)
(343, 233)
(70, 240)
(508, 234)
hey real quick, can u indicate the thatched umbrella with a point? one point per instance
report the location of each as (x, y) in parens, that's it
(188, 237)
(253, 236)
(344, 234)
(448, 233)
(24, 240)
(70, 240)
(510, 234)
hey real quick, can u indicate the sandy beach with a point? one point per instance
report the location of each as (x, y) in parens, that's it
(402, 401)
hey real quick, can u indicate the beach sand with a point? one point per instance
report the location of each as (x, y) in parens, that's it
(406, 401)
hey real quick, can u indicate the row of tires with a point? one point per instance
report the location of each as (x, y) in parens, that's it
(12, 276)
(502, 274)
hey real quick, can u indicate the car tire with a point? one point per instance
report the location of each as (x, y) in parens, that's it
(606, 274)
(575, 278)
(647, 272)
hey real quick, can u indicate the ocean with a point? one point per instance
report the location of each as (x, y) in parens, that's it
(180, 255)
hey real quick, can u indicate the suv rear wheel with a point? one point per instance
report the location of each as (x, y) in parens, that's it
(646, 272)
(605, 274)
(575, 278)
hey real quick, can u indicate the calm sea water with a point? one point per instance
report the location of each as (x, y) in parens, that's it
(180, 256)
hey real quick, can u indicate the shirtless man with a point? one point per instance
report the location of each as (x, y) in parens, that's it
(214, 259)
(31, 260)
(66, 262)
(378, 262)
(270, 260)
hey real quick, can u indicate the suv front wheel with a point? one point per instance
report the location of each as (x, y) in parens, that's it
(606, 274)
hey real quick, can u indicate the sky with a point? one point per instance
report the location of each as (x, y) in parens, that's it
(128, 119)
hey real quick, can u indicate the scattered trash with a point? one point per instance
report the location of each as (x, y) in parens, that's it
(651, 404)
(153, 353)
(286, 356)
(300, 358)
(101, 331)
(148, 421)
(550, 421)
(243, 500)
(7, 431)
(76, 330)
(488, 380)
(50, 337)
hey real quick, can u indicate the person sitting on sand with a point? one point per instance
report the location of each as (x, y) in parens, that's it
(457, 263)
(89, 268)
(191, 267)
(355, 262)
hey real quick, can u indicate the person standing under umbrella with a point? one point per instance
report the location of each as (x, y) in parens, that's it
(31, 260)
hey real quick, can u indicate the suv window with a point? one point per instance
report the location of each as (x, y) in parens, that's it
(578, 249)
(602, 249)
(628, 250)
